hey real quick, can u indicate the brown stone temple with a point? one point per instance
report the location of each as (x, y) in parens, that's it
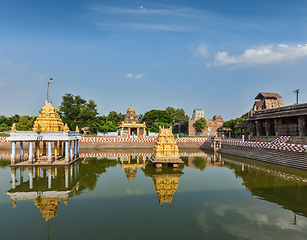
(131, 126)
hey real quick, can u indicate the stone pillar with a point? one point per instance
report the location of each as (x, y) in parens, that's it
(129, 132)
(75, 148)
(277, 122)
(49, 153)
(13, 155)
(30, 159)
(21, 151)
(138, 131)
(13, 175)
(258, 127)
(121, 132)
(267, 127)
(301, 125)
(30, 171)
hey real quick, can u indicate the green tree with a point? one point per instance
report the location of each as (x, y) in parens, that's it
(74, 111)
(233, 122)
(153, 116)
(177, 114)
(201, 124)
(155, 126)
(25, 123)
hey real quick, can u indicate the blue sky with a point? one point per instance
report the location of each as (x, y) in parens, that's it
(214, 55)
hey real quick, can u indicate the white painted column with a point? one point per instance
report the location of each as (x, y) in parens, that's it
(30, 152)
(49, 152)
(30, 171)
(21, 151)
(13, 155)
(75, 148)
(49, 177)
(66, 151)
(35, 150)
(71, 151)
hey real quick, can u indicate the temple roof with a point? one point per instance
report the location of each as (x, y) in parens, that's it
(131, 116)
(49, 119)
(263, 95)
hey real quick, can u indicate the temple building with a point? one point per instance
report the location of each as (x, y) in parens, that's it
(267, 101)
(188, 127)
(59, 145)
(273, 120)
(131, 126)
(165, 149)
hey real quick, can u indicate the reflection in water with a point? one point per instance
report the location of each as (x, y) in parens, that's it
(48, 187)
(130, 165)
(232, 211)
(165, 181)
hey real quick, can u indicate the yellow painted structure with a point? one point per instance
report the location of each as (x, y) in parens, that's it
(131, 124)
(49, 119)
(165, 146)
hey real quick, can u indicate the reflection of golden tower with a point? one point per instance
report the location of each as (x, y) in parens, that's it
(130, 173)
(49, 119)
(166, 185)
(48, 206)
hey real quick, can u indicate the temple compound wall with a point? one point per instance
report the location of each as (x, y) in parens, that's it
(267, 125)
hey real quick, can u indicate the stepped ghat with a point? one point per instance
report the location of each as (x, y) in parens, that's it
(60, 146)
(165, 149)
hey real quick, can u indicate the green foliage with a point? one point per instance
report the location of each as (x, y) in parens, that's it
(4, 127)
(200, 163)
(154, 116)
(178, 114)
(25, 123)
(233, 122)
(201, 124)
(155, 126)
(76, 111)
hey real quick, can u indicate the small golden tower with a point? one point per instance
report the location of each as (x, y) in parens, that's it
(49, 119)
(165, 149)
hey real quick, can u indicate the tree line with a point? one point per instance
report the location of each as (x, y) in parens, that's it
(76, 111)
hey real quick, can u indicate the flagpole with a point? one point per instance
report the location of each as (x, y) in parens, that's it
(48, 88)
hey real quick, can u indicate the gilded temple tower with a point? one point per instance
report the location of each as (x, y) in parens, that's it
(165, 149)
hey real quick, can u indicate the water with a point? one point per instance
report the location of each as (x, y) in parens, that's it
(208, 197)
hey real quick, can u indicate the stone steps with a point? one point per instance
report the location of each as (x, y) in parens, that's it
(284, 158)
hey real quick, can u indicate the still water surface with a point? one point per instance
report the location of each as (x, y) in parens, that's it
(120, 197)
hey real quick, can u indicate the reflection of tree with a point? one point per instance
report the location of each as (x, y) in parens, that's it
(4, 163)
(200, 163)
(165, 181)
(89, 173)
(274, 186)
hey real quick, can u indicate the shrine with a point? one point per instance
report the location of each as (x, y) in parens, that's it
(131, 126)
(165, 149)
(48, 131)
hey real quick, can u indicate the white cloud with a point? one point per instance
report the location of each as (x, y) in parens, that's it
(202, 49)
(41, 77)
(264, 55)
(139, 75)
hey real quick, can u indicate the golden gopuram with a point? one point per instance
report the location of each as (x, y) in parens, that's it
(131, 126)
(165, 149)
(49, 119)
(59, 145)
